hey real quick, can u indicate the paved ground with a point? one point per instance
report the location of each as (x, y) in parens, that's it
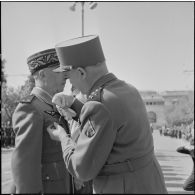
(5, 170)
(176, 167)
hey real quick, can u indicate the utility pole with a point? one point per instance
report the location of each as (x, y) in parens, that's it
(92, 5)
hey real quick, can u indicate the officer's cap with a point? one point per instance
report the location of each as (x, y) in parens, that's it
(42, 59)
(79, 52)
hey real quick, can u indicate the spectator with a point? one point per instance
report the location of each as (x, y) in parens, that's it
(5, 138)
(8, 132)
(189, 182)
(2, 135)
(12, 138)
(151, 127)
(160, 130)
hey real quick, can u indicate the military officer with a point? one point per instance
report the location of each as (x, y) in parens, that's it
(37, 162)
(115, 148)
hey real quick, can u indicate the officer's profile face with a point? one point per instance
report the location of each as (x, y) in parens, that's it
(77, 78)
(55, 80)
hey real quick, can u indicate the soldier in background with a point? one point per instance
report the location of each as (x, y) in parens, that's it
(180, 134)
(2, 135)
(5, 136)
(151, 127)
(8, 132)
(12, 138)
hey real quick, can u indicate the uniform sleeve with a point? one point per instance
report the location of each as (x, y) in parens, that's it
(94, 144)
(26, 158)
(77, 107)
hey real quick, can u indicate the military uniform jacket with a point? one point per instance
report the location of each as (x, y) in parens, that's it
(115, 147)
(37, 161)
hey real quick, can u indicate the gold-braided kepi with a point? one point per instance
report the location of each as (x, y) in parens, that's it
(42, 59)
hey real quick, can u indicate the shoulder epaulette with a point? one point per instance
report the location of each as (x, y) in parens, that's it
(27, 99)
(96, 95)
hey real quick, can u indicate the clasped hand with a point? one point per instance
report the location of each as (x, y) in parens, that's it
(56, 132)
(63, 103)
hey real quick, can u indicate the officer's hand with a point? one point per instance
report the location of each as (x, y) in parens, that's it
(67, 113)
(62, 100)
(78, 184)
(56, 132)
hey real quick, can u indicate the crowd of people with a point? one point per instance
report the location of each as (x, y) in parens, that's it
(184, 131)
(181, 132)
(7, 136)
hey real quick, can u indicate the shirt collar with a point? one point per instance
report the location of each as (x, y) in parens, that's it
(42, 94)
(102, 81)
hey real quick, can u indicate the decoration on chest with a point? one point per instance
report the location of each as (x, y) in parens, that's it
(59, 119)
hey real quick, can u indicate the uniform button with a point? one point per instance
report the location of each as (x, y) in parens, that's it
(47, 177)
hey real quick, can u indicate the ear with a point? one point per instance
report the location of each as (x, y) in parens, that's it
(42, 74)
(82, 72)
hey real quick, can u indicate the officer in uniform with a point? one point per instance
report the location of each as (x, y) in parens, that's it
(37, 162)
(115, 148)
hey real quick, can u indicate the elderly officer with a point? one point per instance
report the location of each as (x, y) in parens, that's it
(37, 161)
(115, 147)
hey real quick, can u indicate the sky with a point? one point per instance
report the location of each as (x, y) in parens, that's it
(147, 44)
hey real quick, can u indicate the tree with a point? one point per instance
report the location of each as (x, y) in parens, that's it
(3, 77)
(27, 87)
(11, 97)
(3, 88)
(182, 112)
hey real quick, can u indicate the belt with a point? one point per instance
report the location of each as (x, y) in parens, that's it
(129, 165)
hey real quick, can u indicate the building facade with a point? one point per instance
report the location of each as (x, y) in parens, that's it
(156, 102)
(155, 107)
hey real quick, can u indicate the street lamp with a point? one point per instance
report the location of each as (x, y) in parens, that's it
(92, 5)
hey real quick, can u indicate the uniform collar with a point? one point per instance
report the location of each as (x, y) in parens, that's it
(43, 95)
(102, 81)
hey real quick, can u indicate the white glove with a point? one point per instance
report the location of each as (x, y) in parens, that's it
(67, 113)
(78, 184)
(62, 100)
(56, 131)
